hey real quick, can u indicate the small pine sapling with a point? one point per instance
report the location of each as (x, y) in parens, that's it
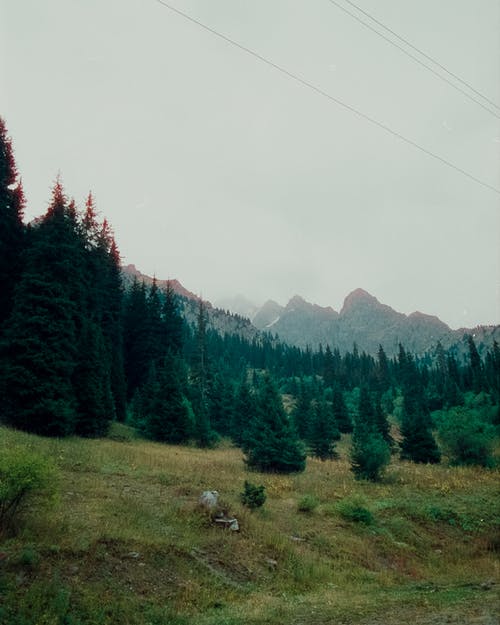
(253, 496)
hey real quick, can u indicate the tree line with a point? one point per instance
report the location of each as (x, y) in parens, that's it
(78, 351)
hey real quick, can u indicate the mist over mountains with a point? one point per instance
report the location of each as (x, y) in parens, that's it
(362, 320)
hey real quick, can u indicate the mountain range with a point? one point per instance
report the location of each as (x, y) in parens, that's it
(362, 320)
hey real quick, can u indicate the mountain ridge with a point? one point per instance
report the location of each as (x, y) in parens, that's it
(363, 320)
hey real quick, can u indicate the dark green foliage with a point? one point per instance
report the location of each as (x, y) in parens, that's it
(340, 412)
(136, 343)
(369, 453)
(352, 509)
(165, 412)
(381, 423)
(273, 445)
(253, 496)
(40, 355)
(467, 437)
(11, 224)
(476, 372)
(302, 411)
(221, 404)
(92, 384)
(323, 431)
(245, 408)
(418, 444)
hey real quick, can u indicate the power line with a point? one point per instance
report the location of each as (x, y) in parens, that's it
(427, 56)
(326, 95)
(416, 59)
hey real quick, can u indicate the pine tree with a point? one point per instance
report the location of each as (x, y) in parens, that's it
(166, 412)
(475, 367)
(369, 453)
(136, 344)
(221, 404)
(92, 383)
(243, 415)
(301, 412)
(11, 224)
(324, 431)
(39, 350)
(172, 321)
(273, 445)
(200, 374)
(340, 412)
(418, 444)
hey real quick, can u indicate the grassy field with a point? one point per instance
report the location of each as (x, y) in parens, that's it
(125, 543)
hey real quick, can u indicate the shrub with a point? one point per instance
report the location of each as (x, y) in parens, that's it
(467, 438)
(354, 510)
(24, 478)
(253, 496)
(308, 503)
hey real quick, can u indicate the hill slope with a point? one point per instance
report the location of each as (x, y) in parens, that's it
(126, 543)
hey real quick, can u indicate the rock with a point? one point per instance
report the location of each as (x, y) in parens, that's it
(208, 499)
(228, 523)
(133, 554)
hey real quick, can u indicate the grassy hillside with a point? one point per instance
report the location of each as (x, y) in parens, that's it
(126, 544)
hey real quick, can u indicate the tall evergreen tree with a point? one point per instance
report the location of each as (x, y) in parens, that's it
(340, 412)
(273, 445)
(11, 224)
(136, 344)
(323, 431)
(476, 375)
(200, 374)
(418, 444)
(165, 409)
(39, 351)
(243, 415)
(369, 453)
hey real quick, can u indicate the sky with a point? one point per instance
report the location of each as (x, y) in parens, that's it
(218, 170)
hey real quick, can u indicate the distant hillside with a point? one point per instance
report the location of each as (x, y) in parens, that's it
(218, 319)
(362, 320)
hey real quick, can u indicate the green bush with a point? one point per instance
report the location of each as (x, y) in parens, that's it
(253, 496)
(25, 477)
(308, 503)
(353, 510)
(466, 436)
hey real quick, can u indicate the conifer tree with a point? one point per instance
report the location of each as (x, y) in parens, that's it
(165, 409)
(323, 431)
(40, 343)
(200, 373)
(476, 374)
(340, 412)
(301, 413)
(172, 321)
(369, 453)
(11, 224)
(136, 344)
(418, 444)
(243, 415)
(273, 444)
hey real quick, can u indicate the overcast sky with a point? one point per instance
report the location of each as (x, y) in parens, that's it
(215, 169)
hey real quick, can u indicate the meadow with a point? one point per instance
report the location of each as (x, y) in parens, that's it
(124, 542)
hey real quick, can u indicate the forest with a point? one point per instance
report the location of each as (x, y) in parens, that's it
(79, 351)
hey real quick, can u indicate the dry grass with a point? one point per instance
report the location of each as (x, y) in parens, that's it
(128, 544)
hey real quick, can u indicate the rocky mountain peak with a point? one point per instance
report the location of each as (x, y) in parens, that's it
(356, 298)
